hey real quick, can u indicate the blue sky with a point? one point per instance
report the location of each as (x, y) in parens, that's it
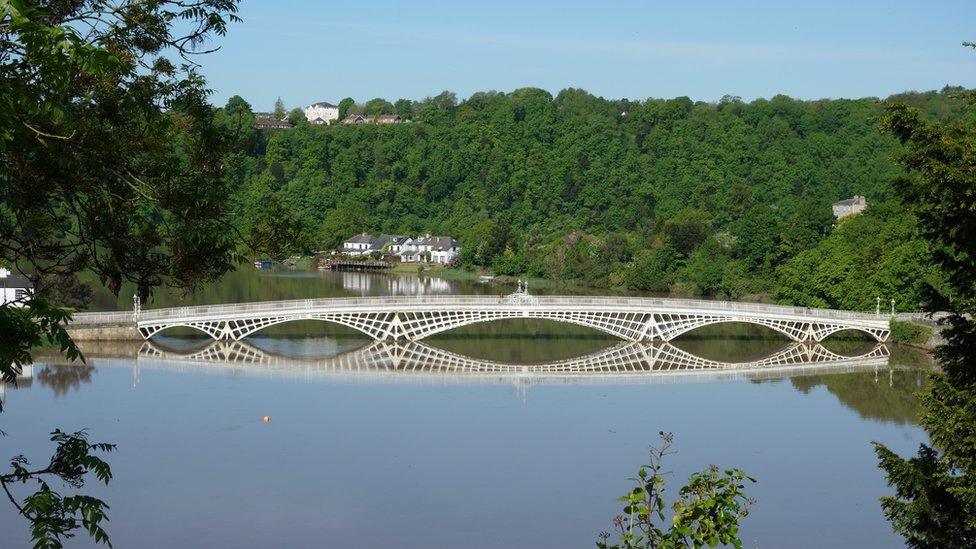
(305, 50)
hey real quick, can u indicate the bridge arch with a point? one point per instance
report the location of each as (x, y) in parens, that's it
(213, 330)
(626, 326)
(374, 326)
(794, 330)
(670, 330)
(827, 331)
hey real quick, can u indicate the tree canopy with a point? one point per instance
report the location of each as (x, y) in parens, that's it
(934, 504)
(534, 185)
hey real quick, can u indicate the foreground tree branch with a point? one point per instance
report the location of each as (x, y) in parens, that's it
(110, 162)
(54, 517)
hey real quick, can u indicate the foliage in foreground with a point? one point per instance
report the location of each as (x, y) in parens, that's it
(935, 492)
(24, 328)
(111, 162)
(54, 517)
(707, 511)
(909, 332)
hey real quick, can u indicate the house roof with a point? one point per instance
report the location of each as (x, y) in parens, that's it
(353, 118)
(16, 281)
(850, 201)
(364, 238)
(325, 104)
(438, 243)
(272, 123)
(391, 239)
(443, 242)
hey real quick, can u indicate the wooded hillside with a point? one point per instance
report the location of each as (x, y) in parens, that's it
(692, 197)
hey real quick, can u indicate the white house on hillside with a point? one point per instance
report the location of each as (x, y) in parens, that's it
(14, 287)
(850, 206)
(321, 113)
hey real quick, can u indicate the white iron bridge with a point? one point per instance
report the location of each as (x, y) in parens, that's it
(415, 318)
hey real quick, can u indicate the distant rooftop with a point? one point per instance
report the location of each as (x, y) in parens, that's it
(15, 281)
(364, 238)
(269, 122)
(850, 201)
(392, 239)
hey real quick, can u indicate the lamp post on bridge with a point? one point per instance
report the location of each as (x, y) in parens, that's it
(136, 306)
(892, 306)
(877, 306)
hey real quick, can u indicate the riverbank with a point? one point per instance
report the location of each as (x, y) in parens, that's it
(575, 286)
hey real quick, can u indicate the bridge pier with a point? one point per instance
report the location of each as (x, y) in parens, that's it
(226, 333)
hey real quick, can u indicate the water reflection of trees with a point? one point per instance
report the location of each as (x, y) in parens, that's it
(63, 377)
(733, 342)
(887, 395)
(248, 284)
(522, 341)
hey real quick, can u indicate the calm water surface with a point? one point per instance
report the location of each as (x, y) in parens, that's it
(381, 459)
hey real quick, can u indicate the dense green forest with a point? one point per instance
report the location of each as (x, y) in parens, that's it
(728, 199)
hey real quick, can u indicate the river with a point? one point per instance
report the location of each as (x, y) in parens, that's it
(381, 457)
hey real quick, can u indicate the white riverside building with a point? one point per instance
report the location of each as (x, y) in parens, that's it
(422, 249)
(14, 288)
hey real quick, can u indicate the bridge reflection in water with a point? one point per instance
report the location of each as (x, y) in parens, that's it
(641, 359)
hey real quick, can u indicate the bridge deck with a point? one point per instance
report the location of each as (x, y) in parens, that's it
(393, 303)
(396, 317)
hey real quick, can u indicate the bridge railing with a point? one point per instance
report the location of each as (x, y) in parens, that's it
(107, 318)
(393, 302)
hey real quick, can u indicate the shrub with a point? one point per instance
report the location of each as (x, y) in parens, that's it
(909, 332)
(707, 510)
